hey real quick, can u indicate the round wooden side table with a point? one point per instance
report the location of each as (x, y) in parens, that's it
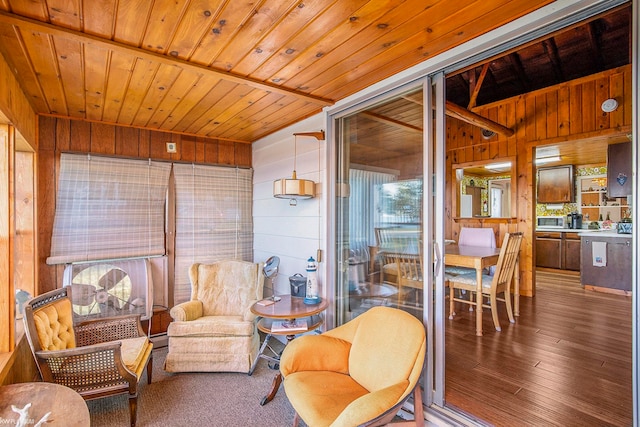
(287, 308)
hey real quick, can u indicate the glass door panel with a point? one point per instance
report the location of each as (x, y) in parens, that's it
(379, 206)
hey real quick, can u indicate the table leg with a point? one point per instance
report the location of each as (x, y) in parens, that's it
(275, 386)
(261, 354)
(479, 301)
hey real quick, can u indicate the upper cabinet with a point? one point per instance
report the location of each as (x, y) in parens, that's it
(555, 184)
(619, 170)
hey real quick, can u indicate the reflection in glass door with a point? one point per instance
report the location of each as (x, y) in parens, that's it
(379, 206)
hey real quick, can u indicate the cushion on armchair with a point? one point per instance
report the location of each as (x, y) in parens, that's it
(222, 287)
(54, 324)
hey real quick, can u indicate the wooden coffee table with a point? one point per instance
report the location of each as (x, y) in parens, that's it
(288, 308)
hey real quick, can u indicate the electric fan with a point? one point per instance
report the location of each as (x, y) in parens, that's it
(110, 288)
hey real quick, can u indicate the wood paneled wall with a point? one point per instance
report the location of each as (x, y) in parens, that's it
(567, 112)
(58, 135)
(15, 106)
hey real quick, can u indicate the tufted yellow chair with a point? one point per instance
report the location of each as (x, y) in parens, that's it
(96, 358)
(359, 373)
(215, 331)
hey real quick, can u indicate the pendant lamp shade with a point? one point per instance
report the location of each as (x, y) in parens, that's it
(294, 188)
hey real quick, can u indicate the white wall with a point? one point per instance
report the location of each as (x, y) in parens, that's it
(292, 233)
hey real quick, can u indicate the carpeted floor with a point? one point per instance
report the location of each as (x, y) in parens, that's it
(198, 399)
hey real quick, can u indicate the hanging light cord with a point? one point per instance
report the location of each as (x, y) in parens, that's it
(295, 154)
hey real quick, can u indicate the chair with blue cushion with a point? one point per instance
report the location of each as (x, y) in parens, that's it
(492, 285)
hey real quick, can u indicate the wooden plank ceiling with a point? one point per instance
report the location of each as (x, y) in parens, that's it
(226, 69)
(393, 131)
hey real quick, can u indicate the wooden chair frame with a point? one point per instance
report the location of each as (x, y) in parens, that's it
(94, 368)
(500, 283)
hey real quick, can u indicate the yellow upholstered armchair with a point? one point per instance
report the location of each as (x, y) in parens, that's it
(96, 358)
(359, 373)
(215, 331)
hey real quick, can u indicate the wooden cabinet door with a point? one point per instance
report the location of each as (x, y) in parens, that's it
(571, 252)
(617, 273)
(555, 185)
(548, 251)
(619, 170)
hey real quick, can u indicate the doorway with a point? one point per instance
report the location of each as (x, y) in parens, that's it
(524, 165)
(513, 366)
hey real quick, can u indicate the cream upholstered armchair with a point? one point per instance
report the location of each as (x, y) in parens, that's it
(96, 358)
(359, 373)
(215, 331)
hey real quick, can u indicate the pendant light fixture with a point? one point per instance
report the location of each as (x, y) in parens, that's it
(294, 188)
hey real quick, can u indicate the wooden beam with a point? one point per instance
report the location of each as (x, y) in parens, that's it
(477, 85)
(518, 69)
(28, 24)
(461, 113)
(392, 122)
(551, 49)
(595, 44)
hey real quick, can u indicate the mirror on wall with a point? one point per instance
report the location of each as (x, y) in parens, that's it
(485, 189)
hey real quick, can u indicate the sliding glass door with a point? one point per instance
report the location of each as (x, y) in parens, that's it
(379, 205)
(388, 217)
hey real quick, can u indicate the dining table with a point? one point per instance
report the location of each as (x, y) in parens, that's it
(478, 258)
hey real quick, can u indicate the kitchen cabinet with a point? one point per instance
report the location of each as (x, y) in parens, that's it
(593, 201)
(619, 169)
(616, 274)
(555, 185)
(559, 250)
(549, 249)
(571, 251)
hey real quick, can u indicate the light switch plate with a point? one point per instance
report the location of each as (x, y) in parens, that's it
(171, 147)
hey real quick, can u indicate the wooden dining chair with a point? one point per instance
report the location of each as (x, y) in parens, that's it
(498, 283)
(409, 274)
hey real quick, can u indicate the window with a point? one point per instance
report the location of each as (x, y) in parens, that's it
(214, 219)
(109, 208)
(363, 186)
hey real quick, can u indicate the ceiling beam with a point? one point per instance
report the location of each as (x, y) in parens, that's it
(551, 49)
(29, 24)
(461, 113)
(477, 84)
(392, 122)
(595, 44)
(518, 69)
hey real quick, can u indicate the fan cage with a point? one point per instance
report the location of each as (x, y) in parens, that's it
(110, 288)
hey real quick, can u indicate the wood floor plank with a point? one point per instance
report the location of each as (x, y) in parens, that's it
(566, 361)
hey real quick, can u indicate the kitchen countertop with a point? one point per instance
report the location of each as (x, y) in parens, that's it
(585, 232)
(561, 230)
(604, 233)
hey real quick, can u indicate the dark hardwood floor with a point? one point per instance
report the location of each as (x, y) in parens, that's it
(565, 362)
